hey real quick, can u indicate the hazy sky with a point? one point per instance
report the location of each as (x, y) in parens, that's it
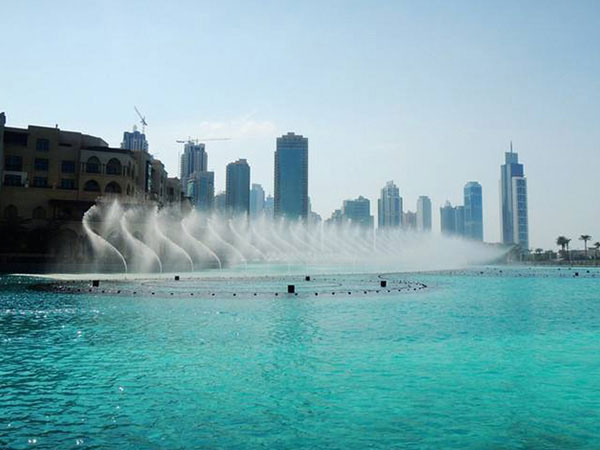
(425, 93)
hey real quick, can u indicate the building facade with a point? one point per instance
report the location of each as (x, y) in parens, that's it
(237, 192)
(257, 200)
(291, 177)
(193, 159)
(409, 220)
(49, 179)
(134, 140)
(473, 211)
(423, 213)
(389, 207)
(358, 211)
(201, 190)
(514, 223)
(448, 219)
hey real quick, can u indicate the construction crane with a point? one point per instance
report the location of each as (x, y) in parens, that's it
(142, 119)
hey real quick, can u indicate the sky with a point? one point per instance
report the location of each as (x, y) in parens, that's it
(427, 94)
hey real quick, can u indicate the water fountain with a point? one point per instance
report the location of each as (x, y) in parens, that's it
(148, 240)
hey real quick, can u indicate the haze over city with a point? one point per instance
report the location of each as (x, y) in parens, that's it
(428, 95)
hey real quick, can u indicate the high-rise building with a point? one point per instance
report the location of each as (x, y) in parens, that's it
(193, 159)
(513, 205)
(459, 221)
(358, 211)
(269, 206)
(134, 140)
(291, 176)
(220, 202)
(257, 200)
(237, 190)
(409, 220)
(201, 190)
(424, 213)
(389, 206)
(448, 219)
(473, 211)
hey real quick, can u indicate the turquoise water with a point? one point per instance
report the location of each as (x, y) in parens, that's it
(496, 359)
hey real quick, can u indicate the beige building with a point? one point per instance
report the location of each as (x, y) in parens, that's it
(50, 178)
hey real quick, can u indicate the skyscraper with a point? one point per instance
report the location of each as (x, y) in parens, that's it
(409, 220)
(193, 159)
(257, 200)
(473, 211)
(448, 219)
(291, 176)
(424, 213)
(134, 140)
(389, 206)
(201, 190)
(358, 211)
(237, 192)
(513, 205)
(269, 205)
(459, 221)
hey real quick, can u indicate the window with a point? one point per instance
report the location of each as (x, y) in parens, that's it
(68, 166)
(113, 167)
(42, 145)
(91, 186)
(41, 164)
(67, 183)
(15, 138)
(40, 182)
(12, 180)
(13, 163)
(113, 188)
(92, 165)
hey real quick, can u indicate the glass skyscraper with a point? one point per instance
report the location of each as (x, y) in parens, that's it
(424, 213)
(237, 192)
(201, 190)
(134, 140)
(513, 206)
(358, 211)
(389, 206)
(473, 211)
(291, 177)
(194, 159)
(257, 200)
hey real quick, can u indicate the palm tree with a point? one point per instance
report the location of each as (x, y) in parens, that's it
(563, 242)
(597, 247)
(585, 238)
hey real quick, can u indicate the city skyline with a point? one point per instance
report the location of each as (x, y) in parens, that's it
(437, 111)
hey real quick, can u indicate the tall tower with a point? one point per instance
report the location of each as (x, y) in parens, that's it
(424, 213)
(257, 200)
(358, 212)
(134, 140)
(291, 176)
(389, 206)
(448, 219)
(473, 211)
(194, 159)
(201, 190)
(513, 201)
(237, 192)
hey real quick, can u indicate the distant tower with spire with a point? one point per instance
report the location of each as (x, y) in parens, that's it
(514, 222)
